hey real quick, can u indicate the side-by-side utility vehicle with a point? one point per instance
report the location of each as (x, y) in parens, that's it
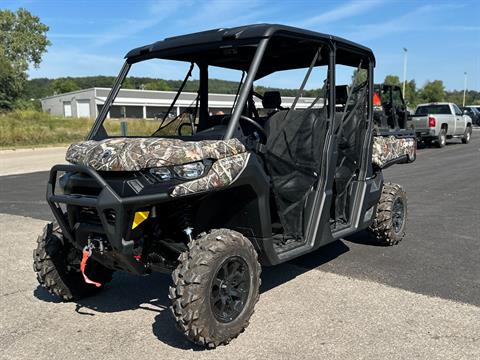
(226, 193)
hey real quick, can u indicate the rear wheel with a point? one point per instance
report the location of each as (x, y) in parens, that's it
(215, 287)
(57, 265)
(467, 135)
(441, 139)
(388, 227)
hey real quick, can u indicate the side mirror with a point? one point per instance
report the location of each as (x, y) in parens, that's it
(465, 112)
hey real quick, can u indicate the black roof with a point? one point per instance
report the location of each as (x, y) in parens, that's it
(234, 48)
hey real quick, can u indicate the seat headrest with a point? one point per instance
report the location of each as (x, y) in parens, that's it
(272, 100)
(341, 94)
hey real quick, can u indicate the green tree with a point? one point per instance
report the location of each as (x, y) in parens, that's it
(64, 85)
(392, 80)
(23, 41)
(160, 85)
(359, 76)
(23, 38)
(432, 91)
(410, 95)
(11, 83)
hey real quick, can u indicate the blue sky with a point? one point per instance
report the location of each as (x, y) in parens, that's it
(91, 37)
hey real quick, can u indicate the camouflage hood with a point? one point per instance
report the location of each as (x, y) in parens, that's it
(133, 154)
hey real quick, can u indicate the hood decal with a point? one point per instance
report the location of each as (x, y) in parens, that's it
(133, 154)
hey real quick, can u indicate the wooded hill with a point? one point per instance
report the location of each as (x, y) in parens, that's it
(43, 87)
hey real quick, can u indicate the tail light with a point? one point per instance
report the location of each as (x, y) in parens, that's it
(432, 122)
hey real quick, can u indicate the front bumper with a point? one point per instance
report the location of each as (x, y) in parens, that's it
(117, 232)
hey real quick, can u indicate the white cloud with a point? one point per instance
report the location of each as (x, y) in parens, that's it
(419, 19)
(71, 62)
(350, 9)
(72, 36)
(157, 13)
(223, 13)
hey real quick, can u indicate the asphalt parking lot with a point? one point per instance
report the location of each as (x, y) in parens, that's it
(351, 299)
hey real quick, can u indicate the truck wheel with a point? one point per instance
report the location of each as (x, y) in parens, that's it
(467, 135)
(388, 227)
(57, 265)
(441, 139)
(215, 287)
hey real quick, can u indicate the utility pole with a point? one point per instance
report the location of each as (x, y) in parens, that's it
(405, 50)
(464, 87)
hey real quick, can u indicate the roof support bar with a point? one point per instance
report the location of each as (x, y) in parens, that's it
(247, 85)
(109, 101)
(332, 63)
(203, 92)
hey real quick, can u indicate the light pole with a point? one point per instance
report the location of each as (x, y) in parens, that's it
(464, 87)
(405, 50)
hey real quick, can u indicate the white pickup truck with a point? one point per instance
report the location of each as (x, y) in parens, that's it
(441, 121)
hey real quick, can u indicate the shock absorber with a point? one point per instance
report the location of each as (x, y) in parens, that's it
(185, 220)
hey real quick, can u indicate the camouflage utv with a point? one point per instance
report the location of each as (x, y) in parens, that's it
(226, 194)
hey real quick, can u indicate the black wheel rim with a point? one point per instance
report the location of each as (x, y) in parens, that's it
(230, 289)
(398, 215)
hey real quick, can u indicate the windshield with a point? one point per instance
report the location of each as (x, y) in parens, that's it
(161, 98)
(433, 110)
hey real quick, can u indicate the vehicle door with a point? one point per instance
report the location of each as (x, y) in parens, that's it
(350, 130)
(460, 120)
(400, 110)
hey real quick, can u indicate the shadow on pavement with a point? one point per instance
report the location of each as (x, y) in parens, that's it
(363, 238)
(129, 292)
(277, 275)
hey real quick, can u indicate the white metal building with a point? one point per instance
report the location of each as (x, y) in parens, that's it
(139, 103)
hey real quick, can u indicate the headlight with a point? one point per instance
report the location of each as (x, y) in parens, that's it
(161, 173)
(190, 171)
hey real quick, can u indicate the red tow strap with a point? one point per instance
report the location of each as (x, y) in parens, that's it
(83, 264)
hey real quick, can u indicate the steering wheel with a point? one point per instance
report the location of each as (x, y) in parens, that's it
(255, 124)
(179, 130)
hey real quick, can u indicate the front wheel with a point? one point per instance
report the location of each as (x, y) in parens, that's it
(467, 135)
(57, 265)
(215, 287)
(388, 227)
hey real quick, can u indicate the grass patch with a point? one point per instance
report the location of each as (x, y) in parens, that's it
(33, 128)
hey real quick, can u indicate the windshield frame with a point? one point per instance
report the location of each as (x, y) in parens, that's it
(98, 132)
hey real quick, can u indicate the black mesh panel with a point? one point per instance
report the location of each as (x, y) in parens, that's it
(351, 135)
(293, 152)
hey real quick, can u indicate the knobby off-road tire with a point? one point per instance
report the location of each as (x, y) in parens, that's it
(467, 135)
(441, 139)
(57, 265)
(205, 280)
(388, 227)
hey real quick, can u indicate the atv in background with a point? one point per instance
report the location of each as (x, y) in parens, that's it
(229, 192)
(389, 108)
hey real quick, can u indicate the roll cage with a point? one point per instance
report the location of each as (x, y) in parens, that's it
(258, 50)
(325, 151)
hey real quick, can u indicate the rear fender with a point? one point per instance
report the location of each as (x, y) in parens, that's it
(389, 150)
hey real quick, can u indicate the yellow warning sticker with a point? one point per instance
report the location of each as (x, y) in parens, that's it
(140, 216)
